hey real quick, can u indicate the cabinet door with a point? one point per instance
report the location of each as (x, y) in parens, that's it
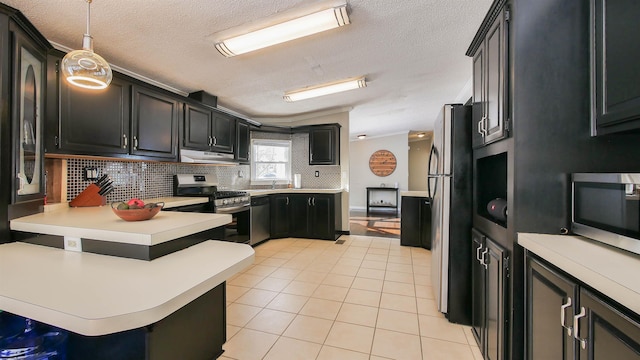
(224, 127)
(478, 290)
(616, 75)
(322, 217)
(410, 221)
(425, 223)
(495, 58)
(495, 290)
(609, 333)
(29, 81)
(324, 145)
(279, 216)
(94, 122)
(479, 104)
(154, 128)
(551, 302)
(197, 128)
(242, 142)
(300, 207)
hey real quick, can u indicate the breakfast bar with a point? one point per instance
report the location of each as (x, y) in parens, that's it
(170, 307)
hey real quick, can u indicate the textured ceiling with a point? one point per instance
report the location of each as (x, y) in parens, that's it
(411, 52)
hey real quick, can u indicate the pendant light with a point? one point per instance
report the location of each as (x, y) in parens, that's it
(84, 68)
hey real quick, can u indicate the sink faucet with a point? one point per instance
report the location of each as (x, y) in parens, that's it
(273, 184)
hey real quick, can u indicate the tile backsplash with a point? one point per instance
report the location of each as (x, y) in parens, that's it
(152, 179)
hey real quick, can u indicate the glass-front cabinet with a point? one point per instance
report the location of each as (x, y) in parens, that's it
(28, 111)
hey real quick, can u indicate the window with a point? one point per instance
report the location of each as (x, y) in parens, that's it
(270, 160)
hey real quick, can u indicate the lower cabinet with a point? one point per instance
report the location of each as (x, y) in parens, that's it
(304, 215)
(558, 306)
(415, 222)
(490, 273)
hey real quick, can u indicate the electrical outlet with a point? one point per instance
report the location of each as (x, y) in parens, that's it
(90, 173)
(72, 243)
(317, 173)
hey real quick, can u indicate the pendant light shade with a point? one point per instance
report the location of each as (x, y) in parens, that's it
(84, 68)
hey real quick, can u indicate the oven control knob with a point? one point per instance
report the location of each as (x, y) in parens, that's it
(225, 202)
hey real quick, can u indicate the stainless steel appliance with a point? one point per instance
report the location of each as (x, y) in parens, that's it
(236, 203)
(205, 157)
(606, 208)
(260, 219)
(450, 187)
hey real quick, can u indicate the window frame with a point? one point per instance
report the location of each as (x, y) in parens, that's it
(254, 162)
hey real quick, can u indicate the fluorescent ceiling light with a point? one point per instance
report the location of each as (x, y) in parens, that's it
(325, 89)
(293, 29)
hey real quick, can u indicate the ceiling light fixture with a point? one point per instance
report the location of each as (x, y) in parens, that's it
(421, 135)
(289, 30)
(362, 137)
(325, 89)
(85, 68)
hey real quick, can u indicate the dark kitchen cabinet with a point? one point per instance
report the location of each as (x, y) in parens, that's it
(314, 216)
(324, 144)
(280, 215)
(616, 78)
(415, 222)
(154, 124)
(208, 129)
(243, 145)
(557, 303)
(490, 274)
(490, 74)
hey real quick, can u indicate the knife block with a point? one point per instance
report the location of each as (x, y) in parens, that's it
(89, 197)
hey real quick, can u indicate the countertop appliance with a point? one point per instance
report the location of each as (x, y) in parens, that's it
(606, 208)
(450, 187)
(236, 203)
(260, 220)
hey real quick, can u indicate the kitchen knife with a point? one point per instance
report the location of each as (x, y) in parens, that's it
(105, 190)
(102, 179)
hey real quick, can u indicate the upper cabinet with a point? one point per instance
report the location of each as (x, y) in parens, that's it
(324, 144)
(616, 79)
(28, 59)
(208, 129)
(242, 150)
(154, 124)
(490, 74)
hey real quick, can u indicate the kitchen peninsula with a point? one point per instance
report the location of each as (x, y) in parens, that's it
(170, 307)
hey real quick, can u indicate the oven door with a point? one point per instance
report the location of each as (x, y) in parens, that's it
(238, 230)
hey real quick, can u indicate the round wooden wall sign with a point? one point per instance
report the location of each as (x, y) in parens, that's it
(382, 163)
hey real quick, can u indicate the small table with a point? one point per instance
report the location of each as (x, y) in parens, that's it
(371, 203)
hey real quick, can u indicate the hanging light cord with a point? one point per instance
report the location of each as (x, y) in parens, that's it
(88, 16)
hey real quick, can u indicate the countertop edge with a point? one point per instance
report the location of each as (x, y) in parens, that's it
(550, 248)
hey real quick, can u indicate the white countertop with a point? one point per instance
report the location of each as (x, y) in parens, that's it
(611, 271)
(96, 294)
(175, 201)
(257, 192)
(414, 193)
(100, 223)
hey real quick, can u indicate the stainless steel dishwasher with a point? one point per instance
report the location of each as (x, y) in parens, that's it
(260, 219)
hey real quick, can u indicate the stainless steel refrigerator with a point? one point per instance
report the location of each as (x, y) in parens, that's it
(450, 187)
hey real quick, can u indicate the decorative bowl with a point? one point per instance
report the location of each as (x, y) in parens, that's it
(137, 214)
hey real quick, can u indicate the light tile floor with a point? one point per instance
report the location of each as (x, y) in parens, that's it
(368, 298)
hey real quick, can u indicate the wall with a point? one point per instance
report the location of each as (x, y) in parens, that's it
(418, 164)
(360, 152)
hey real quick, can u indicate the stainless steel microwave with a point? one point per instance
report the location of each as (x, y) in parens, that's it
(606, 208)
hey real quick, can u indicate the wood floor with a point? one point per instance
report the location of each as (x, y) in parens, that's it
(379, 223)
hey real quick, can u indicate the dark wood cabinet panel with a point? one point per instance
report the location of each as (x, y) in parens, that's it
(243, 143)
(490, 74)
(489, 296)
(324, 145)
(154, 124)
(616, 101)
(197, 128)
(415, 224)
(279, 216)
(304, 215)
(322, 218)
(300, 215)
(224, 129)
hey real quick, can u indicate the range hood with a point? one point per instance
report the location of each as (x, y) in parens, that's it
(206, 157)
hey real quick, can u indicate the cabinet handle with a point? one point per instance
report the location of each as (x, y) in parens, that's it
(484, 125)
(314, 201)
(483, 262)
(57, 141)
(576, 327)
(478, 253)
(480, 126)
(309, 201)
(311, 156)
(135, 142)
(126, 141)
(287, 200)
(563, 310)
(210, 141)
(215, 141)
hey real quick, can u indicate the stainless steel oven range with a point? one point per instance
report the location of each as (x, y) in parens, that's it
(235, 203)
